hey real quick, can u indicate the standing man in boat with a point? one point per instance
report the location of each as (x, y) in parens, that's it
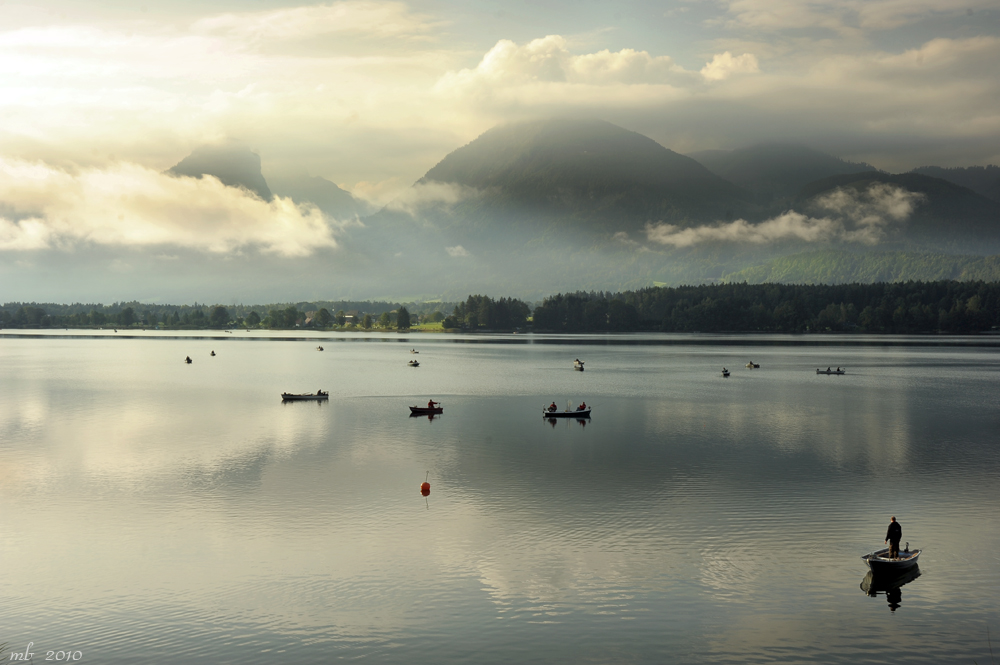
(893, 536)
(431, 404)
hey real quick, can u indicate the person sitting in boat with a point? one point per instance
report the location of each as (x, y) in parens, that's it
(552, 407)
(582, 407)
(893, 536)
(828, 369)
(838, 369)
(431, 403)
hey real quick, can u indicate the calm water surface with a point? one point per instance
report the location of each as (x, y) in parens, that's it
(154, 512)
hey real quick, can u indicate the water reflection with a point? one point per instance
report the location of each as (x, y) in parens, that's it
(890, 585)
(582, 420)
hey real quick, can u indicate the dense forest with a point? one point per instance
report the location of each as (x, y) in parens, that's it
(322, 314)
(906, 307)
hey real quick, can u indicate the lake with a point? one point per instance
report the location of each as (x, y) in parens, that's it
(153, 511)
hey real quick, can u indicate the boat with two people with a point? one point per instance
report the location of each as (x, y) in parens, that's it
(832, 371)
(302, 397)
(413, 363)
(552, 411)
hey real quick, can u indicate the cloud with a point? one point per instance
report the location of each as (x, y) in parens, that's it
(878, 205)
(843, 16)
(790, 225)
(357, 17)
(44, 207)
(430, 193)
(724, 65)
(859, 216)
(457, 251)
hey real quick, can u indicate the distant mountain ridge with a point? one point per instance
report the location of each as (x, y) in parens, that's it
(775, 170)
(984, 180)
(842, 267)
(235, 165)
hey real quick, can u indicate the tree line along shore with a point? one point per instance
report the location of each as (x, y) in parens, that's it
(898, 308)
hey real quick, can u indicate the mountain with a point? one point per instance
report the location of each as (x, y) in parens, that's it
(535, 207)
(233, 164)
(325, 195)
(842, 267)
(587, 174)
(775, 170)
(949, 217)
(984, 180)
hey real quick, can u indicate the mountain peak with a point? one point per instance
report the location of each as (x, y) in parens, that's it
(585, 167)
(234, 164)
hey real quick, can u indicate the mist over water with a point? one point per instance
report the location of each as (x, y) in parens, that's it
(155, 511)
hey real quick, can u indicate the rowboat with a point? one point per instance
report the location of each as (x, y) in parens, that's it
(425, 411)
(578, 365)
(831, 371)
(582, 413)
(880, 563)
(413, 363)
(293, 397)
(725, 372)
(752, 365)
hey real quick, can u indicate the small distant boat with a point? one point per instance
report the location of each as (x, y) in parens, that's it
(752, 365)
(425, 411)
(212, 353)
(188, 360)
(832, 371)
(414, 351)
(725, 372)
(581, 413)
(413, 363)
(578, 365)
(293, 397)
(880, 563)
(319, 348)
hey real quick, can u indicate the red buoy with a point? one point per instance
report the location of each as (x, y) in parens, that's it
(425, 487)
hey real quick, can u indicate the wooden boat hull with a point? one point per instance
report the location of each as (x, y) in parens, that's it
(291, 397)
(831, 371)
(880, 565)
(424, 411)
(585, 413)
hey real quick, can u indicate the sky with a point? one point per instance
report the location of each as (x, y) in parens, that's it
(98, 98)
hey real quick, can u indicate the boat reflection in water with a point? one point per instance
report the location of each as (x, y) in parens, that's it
(583, 420)
(890, 585)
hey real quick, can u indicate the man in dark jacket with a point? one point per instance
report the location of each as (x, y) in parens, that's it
(893, 536)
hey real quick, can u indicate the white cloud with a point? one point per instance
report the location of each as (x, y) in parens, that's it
(457, 251)
(549, 59)
(790, 225)
(724, 65)
(878, 205)
(130, 205)
(430, 193)
(859, 216)
(357, 17)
